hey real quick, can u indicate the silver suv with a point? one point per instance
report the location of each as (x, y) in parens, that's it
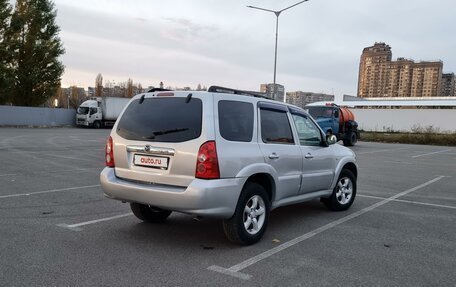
(224, 153)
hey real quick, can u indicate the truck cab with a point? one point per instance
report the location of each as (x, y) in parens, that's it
(88, 113)
(327, 118)
(335, 120)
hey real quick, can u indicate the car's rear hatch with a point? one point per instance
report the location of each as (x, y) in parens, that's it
(158, 136)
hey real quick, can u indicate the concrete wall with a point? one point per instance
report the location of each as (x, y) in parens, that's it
(405, 119)
(27, 116)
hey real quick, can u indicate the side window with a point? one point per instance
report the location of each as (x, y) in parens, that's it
(309, 134)
(93, 111)
(236, 120)
(275, 127)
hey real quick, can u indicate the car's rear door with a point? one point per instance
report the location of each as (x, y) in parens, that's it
(158, 137)
(279, 148)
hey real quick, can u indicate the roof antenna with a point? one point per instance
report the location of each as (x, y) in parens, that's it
(189, 97)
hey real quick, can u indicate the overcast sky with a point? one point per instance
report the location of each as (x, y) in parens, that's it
(215, 42)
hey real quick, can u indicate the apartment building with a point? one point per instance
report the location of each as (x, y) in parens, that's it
(268, 89)
(379, 76)
(301, 99)
(448, 85)
(373, 70)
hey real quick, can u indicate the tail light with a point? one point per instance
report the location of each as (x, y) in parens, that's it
(109, 153)
(207, 166)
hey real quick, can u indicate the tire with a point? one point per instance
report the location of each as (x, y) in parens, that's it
(352, 139)
(96, 124)
(251, 216)
(148, 213)
(344, 192)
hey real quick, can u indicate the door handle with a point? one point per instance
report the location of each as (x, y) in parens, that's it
(309, 156)
(273, 156)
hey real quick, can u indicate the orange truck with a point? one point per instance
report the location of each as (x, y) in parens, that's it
(335, 120)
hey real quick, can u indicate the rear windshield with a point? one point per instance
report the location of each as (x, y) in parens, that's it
(162, 120)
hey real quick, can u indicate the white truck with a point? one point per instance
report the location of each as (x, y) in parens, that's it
(100, 112)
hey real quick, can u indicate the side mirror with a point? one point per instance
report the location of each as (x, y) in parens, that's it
(336, 113)
(331, 139)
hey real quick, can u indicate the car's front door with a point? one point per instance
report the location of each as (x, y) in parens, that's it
(318, 160)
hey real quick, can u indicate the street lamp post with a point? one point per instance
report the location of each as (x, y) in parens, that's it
(277, 13)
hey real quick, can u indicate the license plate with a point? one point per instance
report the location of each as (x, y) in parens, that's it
(151, 161)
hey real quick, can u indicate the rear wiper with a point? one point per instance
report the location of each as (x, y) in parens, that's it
(159, 133)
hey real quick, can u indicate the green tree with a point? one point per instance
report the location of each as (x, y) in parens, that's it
(35, 48)
(5, 16)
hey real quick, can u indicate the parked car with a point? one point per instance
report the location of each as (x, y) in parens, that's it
(224, 153)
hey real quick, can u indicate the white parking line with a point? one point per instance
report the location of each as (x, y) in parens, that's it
(381, 150)
(234, 270)
(76, 227)
(398, 162)
(436, 152)
(409, 201)
(52, 171)
(48, 191)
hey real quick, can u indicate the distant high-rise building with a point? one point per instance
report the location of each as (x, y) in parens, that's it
(448, 85)
(381, 77)
(399, 79)
(268, 89)
(301, 99)
(427, 79)
(373, 68)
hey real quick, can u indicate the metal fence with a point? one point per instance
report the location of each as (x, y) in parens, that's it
(28, 116)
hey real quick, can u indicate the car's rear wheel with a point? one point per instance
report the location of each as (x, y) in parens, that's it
(344, 192)
(251, 216)
(148, 213)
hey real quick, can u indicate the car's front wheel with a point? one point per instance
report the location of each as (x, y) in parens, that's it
(344, 192)
(251, 217)
(148, 213)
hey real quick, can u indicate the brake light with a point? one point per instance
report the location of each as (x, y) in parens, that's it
(165, 94)
(207, 166)
(110, 153)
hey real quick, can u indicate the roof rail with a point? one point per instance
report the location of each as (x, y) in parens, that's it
(218, 89)
(157, 90)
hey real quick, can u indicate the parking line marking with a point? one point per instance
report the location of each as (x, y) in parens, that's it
(409, 201)
(53, 171)
(225, 271)
(398, 162)
(381, 150)
(48, 191)
(255, 259)
(436, 152)
(8, 174)
(76, 227)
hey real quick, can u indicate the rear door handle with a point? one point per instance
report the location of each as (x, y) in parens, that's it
(309, 156)
(273, 156)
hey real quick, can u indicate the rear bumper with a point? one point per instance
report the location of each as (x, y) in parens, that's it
(213, 198)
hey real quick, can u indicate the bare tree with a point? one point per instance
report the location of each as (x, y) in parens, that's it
(129, 88)
(139, 88)
(99, 86)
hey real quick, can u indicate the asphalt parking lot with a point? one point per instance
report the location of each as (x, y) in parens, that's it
(57, 229)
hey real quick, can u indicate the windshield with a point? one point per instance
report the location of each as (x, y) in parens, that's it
(162, 120)
(320, 112)
(83, 110)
